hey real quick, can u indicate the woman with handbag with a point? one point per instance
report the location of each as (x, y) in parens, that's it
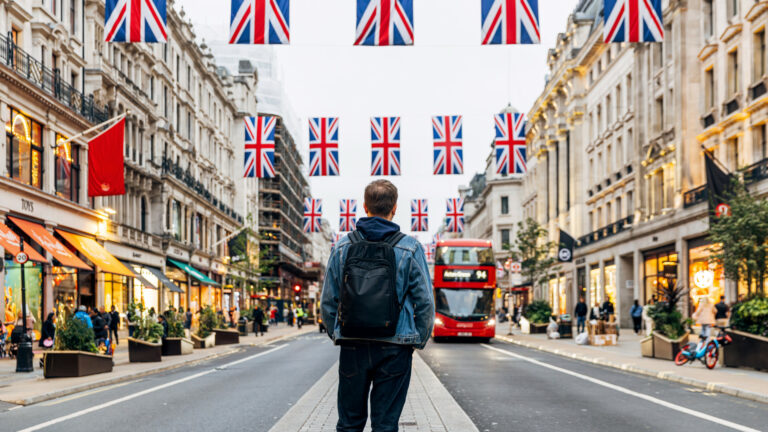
(48, 332)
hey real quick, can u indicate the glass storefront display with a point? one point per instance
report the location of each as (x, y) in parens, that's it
(33, 281)
(609, 284)
(557, 295)
(194, 298)
(65, 287)
(660, 271)
(116, 292)
(67, 169)
(595, 293)
(146, 294)
(705, 278)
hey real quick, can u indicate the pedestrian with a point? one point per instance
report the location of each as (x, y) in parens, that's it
(83, 316)
(258, 321)
(273, 316)
(366, 270)
(581, 315)
(285, 314)
(299, 316)
(188, 319)
(163, 322)
(723, 313)
(647, 318)
(114, 325)
(290, 316)
(607, 309)
(595, 313)
(47, 332)
(637, 316)
(705, 316)
(100, 332)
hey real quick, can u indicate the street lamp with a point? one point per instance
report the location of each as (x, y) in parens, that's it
(24, 355)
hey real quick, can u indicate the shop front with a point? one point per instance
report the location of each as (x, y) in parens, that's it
(12, 272)
(558, 295)
(706, 278)
(173, 294)
(659, 272)
(203, 291)
(141, 286)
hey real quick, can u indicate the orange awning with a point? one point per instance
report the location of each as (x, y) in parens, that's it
(96, 253)
(10, 242)
(41, 236)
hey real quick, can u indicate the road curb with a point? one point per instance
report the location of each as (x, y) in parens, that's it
(705, 385)
(117, 380)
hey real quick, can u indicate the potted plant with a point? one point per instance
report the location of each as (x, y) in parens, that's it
(749, 331)
(205, 337)
(145, 345)
(224, 335)
(669, 333)
(176, 342)
(74, 352)
(536, 317)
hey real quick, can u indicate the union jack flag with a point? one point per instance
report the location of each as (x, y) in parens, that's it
(510, 143)
(429, 251)
(336, 239)
(260, 147)
(419, 215)
(384, 22)
(447, 134)
(324, 146)
(313, 211)
(633, 21)
(347, 215)
(508, 22)
(385, 146)
(454, 215)
(135, 21)
(260, 22)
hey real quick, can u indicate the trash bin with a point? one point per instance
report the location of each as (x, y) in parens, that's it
(242, 326)
(565, 326)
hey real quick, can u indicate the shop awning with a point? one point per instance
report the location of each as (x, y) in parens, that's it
(96, 253)
(47, 241)
(10, 242)
(164, 280)
(138, 275)
(205, 280)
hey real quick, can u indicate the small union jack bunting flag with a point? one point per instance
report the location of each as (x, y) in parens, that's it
(454, 215)
(260, 147)
(447, 134)
(313, 211)
(510, 144)
(419, 215)
(384, 22)
(135, 21)
(633, 21)
(336, 239)
(347, 215)
(429, 251)
(323, 146)
(509, 22)
(385, 146)
(260, 22)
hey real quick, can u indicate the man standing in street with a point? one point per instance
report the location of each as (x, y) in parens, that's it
(581, 315)
(377, 304)
(114, 325)
(723, 313)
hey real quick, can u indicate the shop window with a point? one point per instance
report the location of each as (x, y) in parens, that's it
(581, 282)
(609, 284)
(33, 280)
(24, 149)
(67, 170)
(595, 293)
(705, 277)
(65, 287)
(660, 271)
(116, 292)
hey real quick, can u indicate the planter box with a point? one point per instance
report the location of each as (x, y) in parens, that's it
(667, 349)
(140, 351)
(208, 342)
(226, 336)
(68, 364)
(177, 346)
(646, 347)
(528, 327)
(747, 350)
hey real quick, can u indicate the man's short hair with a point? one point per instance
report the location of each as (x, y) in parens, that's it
(380, 197)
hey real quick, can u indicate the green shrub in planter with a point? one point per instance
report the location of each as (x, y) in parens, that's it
(667, 319)
(751, 316)
(147, 327)
(175, 324)
(72, 334)
(538, 312)
(209, 320)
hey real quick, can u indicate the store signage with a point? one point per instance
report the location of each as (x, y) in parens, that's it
(704, 279)
(453, 275)
(27, 206)
(21, 258)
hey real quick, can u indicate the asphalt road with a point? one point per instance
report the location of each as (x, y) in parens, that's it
(217, 395)
(510, 388)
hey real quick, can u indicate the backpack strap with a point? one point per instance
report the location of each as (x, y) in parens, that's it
(395, 238)
(355, 237)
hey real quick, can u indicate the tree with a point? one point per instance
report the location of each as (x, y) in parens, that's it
(533, 251)
(741, 239)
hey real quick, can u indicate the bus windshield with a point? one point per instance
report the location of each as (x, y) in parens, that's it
(464, 256)
(464, 304)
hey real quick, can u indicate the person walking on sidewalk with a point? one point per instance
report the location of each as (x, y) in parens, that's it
(258, 321)
(705, 316)
(114, 325)
(581, 315)
(377, 304)
(723, 313)
(299, 316)
(595, 313)
(637, 316)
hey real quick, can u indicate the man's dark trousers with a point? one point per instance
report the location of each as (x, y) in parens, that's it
(385, 366)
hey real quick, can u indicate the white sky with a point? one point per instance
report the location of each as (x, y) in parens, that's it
(447, 72)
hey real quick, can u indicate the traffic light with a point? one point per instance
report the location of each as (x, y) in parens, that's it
(297, 288)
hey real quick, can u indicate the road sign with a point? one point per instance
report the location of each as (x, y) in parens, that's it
(21, 258)
(515, 267)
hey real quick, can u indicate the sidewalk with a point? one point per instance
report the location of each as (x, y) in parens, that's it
(429, 407)
(744, 383)
(30, 388)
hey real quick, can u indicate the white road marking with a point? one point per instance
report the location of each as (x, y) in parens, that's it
(143, 392)
(88, 393)
(651, 399)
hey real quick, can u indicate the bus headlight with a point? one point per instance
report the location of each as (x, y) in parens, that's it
(438, 321)
(491, 322)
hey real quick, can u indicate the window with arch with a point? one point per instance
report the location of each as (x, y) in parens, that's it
(24, 149)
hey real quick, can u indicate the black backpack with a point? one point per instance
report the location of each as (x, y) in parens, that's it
(369, 306)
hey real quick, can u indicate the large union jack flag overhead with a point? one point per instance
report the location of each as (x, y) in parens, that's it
(384, 22)
(507, 22)
(454, 215)
(447, 134)
(385, 146)
(633, 21)
(260, 22)
(347, 215)
(419, 215)
(313, 211)
(324, 146)
(510, 144)
(260, 147)
(135, 21)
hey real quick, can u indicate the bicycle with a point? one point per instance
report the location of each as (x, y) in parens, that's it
(706, 350)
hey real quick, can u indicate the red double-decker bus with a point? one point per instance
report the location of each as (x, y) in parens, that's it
(464, 281)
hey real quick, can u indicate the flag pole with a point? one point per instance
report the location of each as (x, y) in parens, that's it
(93, 129)
(716, 160)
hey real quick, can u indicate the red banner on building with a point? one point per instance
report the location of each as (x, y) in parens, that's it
(106, 170)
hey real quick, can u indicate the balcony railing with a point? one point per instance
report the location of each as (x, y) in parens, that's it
(756, 172)
(49, 81)
(605, 232)
(695, 196)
